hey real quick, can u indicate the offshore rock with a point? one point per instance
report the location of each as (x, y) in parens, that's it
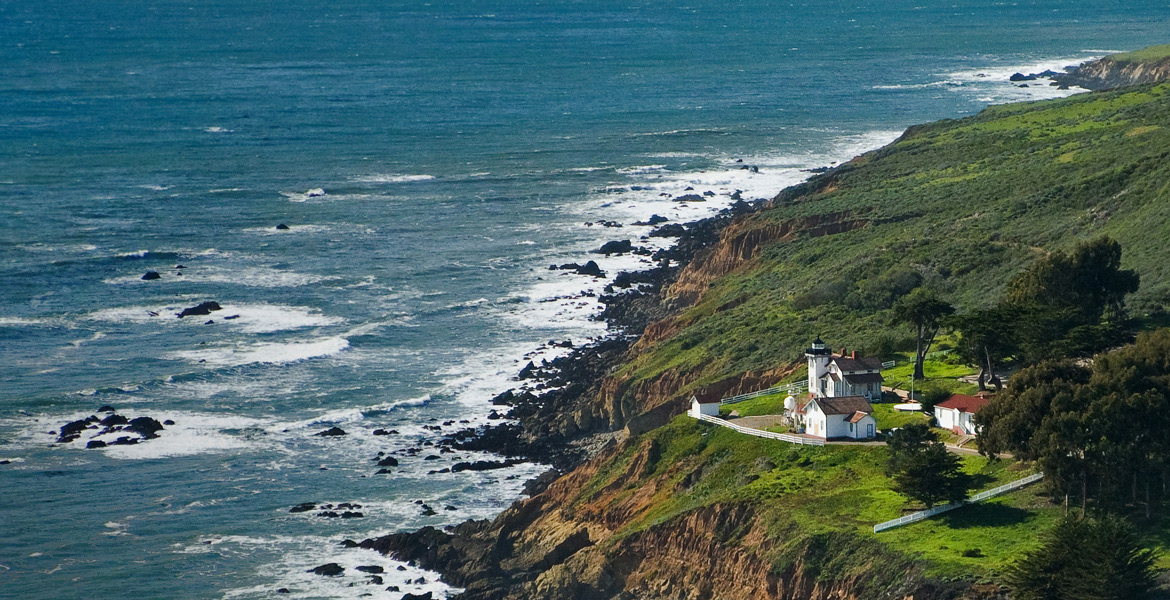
(203, 309)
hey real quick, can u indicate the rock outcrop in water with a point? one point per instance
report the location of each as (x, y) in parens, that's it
(205, 308)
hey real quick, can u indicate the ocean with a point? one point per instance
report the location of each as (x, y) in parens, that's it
(428, 161)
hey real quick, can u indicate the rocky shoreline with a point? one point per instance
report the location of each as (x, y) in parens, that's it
(548, 421)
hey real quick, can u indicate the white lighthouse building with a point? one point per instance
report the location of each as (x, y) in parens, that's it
(840, 375)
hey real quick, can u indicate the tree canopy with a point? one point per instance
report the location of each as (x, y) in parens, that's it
(1099, 429)
(923, 469)
(1085, 559)
(925, 312)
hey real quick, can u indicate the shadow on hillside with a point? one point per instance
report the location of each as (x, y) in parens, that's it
(984, 515)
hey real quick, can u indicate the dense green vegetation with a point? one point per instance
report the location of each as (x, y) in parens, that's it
(923, 469)
(1150, 54)
(1034, 222)
(809, 491)
(959, 207)
(1086, 559)
(1100, 432)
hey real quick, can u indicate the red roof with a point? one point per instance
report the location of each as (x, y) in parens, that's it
(964, 403)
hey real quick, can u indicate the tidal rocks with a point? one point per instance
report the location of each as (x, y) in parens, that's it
(205, 308)
(315, 193)
(424, 596)
(147, 427)
(106, 408)
(537, 485)
(328, 570)
(151, 276)
(389, 461)
(347, 543)
(72, 431)
(113, 420)
(484, 465)
(385, 431)
(653, 220)
(282, 227)
(615, 247)
(303, 507)
(528, 372)
(331, 432)
(690, 198)
(590, 268)
(95, 444)
(671, 230)
(370, 568)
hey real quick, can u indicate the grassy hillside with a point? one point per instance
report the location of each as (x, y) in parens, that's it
(1150, 54)
(805, 492)
(959, 205)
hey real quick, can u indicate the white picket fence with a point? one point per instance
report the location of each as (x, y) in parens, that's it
(930, 512)
(790, 389)
(783, 437)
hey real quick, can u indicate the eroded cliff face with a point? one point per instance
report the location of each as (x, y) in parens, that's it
(1108, 73)
(742, 241)
(574, 541)
(640, 405)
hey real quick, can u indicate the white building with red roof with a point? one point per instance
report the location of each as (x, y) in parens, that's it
(955, 413)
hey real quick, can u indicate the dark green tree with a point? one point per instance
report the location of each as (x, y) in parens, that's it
(1088, 280)
(1071, 303)
(986, 337)
(923, 311)
(1085, 559)
(923, 469)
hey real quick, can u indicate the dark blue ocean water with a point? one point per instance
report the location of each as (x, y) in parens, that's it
(430, 160)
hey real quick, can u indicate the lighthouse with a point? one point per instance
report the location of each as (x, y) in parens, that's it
(818, 363)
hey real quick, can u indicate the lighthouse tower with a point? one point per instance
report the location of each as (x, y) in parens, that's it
(818, 362)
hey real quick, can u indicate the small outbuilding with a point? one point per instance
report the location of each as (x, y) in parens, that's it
(705, 404)
(845, 417)
(955, 413)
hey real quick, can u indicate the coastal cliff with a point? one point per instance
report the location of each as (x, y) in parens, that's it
(1150, 65)
(669, 508)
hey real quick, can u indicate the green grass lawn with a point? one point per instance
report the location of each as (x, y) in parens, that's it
(825, 489)
(939, 367)
(772, 404)
(980, 538)
(888, 418)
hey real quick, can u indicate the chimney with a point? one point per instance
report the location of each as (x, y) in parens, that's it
(844, 351)
(853, 355)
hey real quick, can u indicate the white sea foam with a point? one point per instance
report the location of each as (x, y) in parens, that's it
(257, 276)
(249, 318)
(191, 433)
(270, 231)
(20, 322)
(293, 558)
(992, 84)
(395, 178)
(263, 352)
